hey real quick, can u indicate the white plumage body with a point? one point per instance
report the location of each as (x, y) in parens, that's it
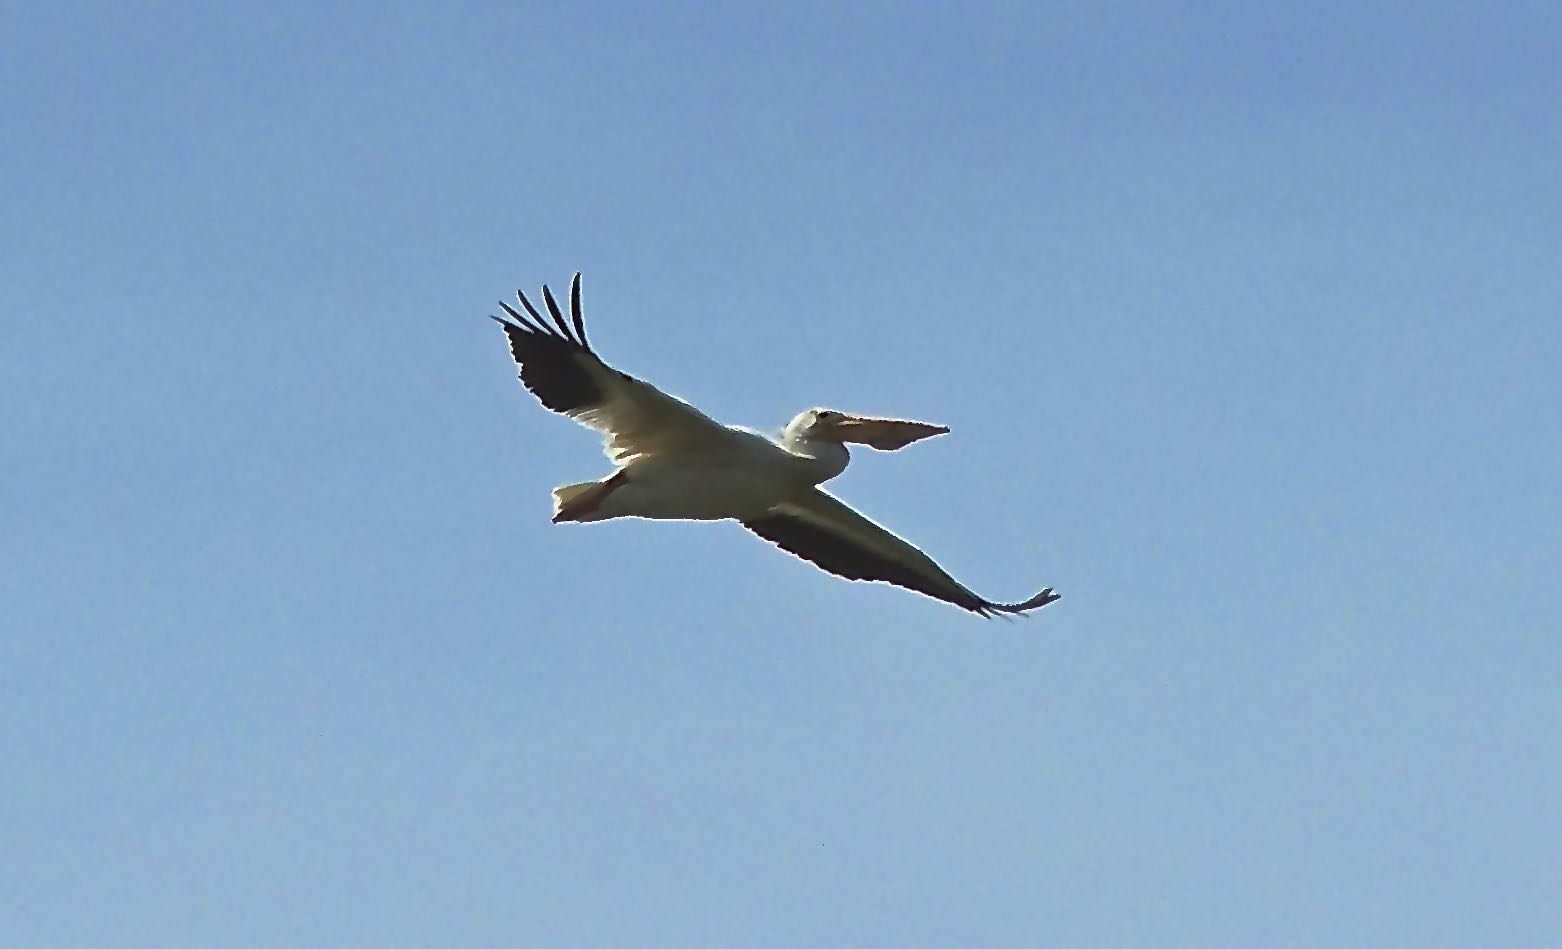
(742, 479)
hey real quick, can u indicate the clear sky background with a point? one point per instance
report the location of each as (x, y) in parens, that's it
(1247, 322)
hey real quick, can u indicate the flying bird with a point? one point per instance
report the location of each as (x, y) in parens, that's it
(673, 462)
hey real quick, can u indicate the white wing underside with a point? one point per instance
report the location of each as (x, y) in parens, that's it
(639, 421)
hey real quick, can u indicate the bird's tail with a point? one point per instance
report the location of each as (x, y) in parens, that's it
(583, 501)
(565, 493)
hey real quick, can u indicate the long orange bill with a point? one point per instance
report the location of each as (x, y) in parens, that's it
(885, 434)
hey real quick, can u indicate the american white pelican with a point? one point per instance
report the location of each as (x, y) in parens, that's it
(673, 462)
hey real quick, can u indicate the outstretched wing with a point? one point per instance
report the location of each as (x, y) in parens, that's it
(822, 530)
(561, 369)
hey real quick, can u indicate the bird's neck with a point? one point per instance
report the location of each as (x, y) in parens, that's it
(819, 460)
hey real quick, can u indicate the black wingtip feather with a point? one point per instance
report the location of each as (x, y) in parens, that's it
(557, 314)
(554, 325)
(536, 323)
(520, 321)
(546, 355)
(1020, 609)
(575, 312)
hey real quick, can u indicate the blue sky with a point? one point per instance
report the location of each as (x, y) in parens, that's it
(1245, 320)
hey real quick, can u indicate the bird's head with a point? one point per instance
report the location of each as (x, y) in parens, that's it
(885, 434)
